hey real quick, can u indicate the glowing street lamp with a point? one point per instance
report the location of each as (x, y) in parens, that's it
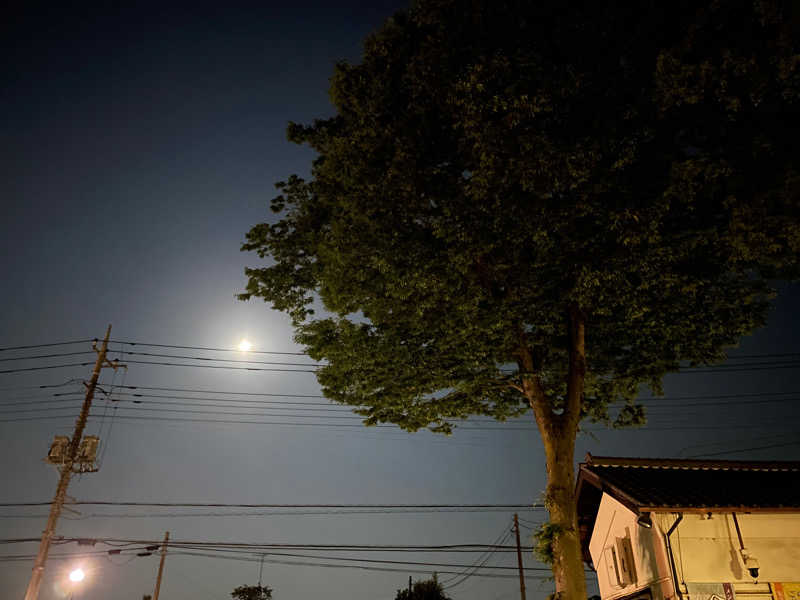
(245, 345)
(77, 575)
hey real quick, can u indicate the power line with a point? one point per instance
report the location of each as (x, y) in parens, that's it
(272, 394)
(223, 392)
(171, 364)
(40, 356)
(768, 447)
(207, 358)
(329, 407)
(500, 427)
(42, 399)
(47, 345)
(84, 364)
(22, 557)
(481, 561)
(293, 513)
(454, 507)
(233, 402)
(351, 566)
(251, 422)
(648, 399)
(129, 343)
(391, 562)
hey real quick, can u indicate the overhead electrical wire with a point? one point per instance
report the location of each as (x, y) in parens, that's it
(25, 369)
(727, 368)
(210, 410)
(499, 427)
(787, 359)
(751, 449)
(657, 400)
(505, 533)
(222, 392)
(293, 513)
(129, 343)
(371, 566)
(207, 358)
(359, 561)
(149, 504)
(155, 399)
(40, 356)
(171, 364)
(46, 345)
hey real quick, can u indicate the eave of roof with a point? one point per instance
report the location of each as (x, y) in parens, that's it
(693, 464)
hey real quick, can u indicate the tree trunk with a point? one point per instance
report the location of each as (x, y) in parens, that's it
(559, 447)
(558, 431)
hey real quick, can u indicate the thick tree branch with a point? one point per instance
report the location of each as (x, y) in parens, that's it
(533, 390)
(576, 375)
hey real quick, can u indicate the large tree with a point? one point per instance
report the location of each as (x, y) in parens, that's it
(540, 205)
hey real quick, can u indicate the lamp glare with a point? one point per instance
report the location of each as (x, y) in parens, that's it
(77, 575)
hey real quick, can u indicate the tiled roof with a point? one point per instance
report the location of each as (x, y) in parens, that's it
(672, 484)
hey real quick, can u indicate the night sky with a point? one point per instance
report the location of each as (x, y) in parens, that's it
(138, 147)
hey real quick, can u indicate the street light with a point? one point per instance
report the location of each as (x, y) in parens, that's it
(76, 576)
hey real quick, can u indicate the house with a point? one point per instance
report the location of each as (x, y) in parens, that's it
(669, 529)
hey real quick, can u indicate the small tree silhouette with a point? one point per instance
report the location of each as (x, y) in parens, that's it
(252, 592)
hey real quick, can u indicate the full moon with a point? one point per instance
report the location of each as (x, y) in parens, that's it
(77, 575)
(244, 345)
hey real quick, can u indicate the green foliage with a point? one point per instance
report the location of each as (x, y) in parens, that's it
(491, 164)
(252, 592)
(429, 589)
(543, 540)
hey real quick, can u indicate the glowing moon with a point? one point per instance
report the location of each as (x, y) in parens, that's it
(244, 345)
(77, 575)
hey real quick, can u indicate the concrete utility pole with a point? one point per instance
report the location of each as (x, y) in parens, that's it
(70, 459)
(519, 559)
(161, 566)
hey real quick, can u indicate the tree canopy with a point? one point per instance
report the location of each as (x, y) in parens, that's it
(252, 592)
(428, 589)
(540, 205)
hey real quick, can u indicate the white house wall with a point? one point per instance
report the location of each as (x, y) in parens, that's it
(707, 549)
(651, 568)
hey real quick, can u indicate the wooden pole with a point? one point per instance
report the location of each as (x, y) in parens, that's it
(32, 593)
(519, 559)
(161, 566)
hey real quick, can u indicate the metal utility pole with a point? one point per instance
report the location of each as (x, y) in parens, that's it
(161, 566)
(519, 560)
(69, 461)
(409, 587)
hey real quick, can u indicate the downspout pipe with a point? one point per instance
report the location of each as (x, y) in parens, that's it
(672, 558)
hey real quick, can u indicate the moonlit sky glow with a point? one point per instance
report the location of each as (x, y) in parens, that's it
(137, 148)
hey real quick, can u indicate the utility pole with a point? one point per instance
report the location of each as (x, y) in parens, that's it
(261, 569)
(519, 560)
(409, 587)
(161, 566)
(69, 461)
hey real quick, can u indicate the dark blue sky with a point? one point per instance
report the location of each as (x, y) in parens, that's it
(138, 147)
